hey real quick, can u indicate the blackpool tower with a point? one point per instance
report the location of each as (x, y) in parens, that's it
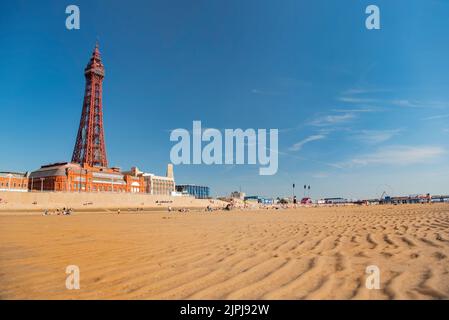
(89, 146)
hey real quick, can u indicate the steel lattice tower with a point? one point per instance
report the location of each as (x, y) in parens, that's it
(89, 146)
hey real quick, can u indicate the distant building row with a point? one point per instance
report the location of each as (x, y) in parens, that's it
(199, 192)
(72, 177)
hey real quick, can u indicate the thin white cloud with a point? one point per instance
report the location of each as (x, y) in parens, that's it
(360, 96)
(396, 155)
(356, 100)
(341, 116)
(333, 119)
(298, 146)
(320, 175)
(361, 110)
(417, 104)
(376, 136)
(441, 116)
(266, 92)
(396, 102)
(362, 91)
(355, 91)
(405, 103)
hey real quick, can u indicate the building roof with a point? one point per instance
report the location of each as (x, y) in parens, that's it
(55, 169)
(11, 174)
(135, 172)
(159, 177)
(191, 185)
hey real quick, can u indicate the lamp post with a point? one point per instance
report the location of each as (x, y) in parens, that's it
(293, 194)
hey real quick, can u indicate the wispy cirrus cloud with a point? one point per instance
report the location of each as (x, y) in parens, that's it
(357, 100)
(440, 116)
(356, 110)
(361, 96)
(376, 136)
(333, 119)
(325, 122)
(418, 104)
(266, 92)
(404, 103)
(298, 146)
(320, 175)
(362, 91)
(395, 155)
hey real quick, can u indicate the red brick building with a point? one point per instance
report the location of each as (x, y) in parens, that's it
(13, 181)
(73, 177)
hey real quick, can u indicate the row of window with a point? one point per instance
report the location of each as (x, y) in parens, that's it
(13, 185)
(169, 185)
(78, 186)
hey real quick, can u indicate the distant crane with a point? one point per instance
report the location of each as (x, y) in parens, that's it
(383, 197)
(385, 192)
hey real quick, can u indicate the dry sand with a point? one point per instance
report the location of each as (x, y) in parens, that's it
(307, 253)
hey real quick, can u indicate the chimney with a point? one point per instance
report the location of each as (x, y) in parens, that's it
(170, 171)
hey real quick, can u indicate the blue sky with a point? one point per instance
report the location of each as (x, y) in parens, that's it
(358, 111)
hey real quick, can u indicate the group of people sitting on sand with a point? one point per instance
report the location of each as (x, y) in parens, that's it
(209, 208)
(65, 212)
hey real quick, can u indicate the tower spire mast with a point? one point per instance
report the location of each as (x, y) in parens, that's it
(89, 146)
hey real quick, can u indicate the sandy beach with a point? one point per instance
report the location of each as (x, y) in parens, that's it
(304, 253)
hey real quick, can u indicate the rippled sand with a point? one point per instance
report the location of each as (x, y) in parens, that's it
(308, 253)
